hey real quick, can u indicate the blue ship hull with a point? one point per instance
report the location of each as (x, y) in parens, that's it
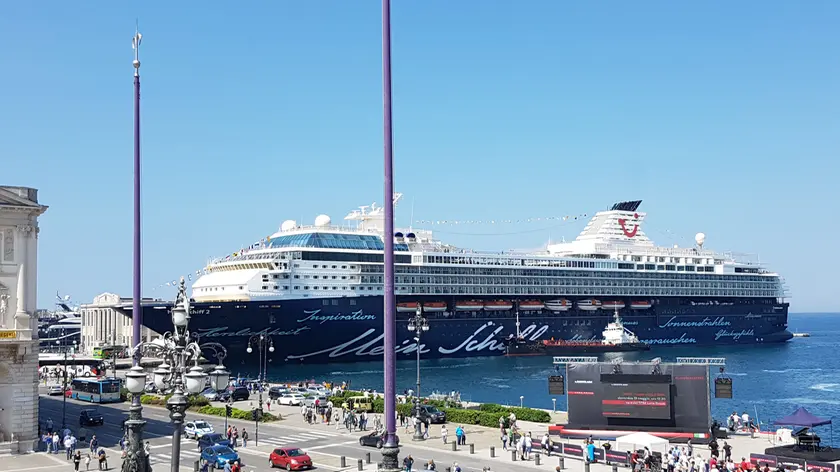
(351, 329)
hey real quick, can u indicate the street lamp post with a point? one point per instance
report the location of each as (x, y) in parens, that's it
(260, 340)
(418, 325)
(64, 382)
(179, 372)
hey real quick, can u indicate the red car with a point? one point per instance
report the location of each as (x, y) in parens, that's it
(290, 458)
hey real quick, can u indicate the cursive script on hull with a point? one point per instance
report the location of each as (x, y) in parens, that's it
(718, 322)
(222, 332)
(315, 315)
(370, 344)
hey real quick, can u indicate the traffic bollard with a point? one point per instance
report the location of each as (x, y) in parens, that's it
(343, 462)
(454, 446)
(360, 464)
(537, 459)
(196, 466)
(492, 451)
(513, 455)
(586, 466)
(449, 469)
(472, 448)
(561, 462)
(367, 457)
(615, 468)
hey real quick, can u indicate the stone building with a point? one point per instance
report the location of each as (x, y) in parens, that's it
(19, 212)
(104, 323)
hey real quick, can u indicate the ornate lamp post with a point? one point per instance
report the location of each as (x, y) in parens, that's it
(419, 325)
(260, 340)
(179, 372)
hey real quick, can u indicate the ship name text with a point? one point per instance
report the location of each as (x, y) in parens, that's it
(314, 315)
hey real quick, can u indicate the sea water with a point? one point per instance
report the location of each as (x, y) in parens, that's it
(769, 381)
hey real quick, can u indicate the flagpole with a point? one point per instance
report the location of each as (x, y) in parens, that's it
(390, 450)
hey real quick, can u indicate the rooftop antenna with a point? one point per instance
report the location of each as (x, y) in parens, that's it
(411, 223)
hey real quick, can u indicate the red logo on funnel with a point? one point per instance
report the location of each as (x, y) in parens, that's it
(623, 223)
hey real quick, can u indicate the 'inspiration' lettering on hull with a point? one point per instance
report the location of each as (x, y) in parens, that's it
(315, 315)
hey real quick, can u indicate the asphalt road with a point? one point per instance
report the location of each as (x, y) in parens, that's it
(158, 431)
(325, 444)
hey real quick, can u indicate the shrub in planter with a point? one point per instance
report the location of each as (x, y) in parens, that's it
(460, 416)
(493, 407)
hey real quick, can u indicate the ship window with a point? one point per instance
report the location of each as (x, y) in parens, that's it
(265, 287)
(275, 276)
(325, 302)
(352, 302)
(332, 267)
(335, 288)
(306, 287)
(335, 302)
(314, 276)
(297, 287)
(343, 267)
(241, 287)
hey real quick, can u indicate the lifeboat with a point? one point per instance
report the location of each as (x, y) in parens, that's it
(640, 305)
(407, 307)
(531, 305)
(498, 305)
(612, 305)
(434, 307)
(589, 304)
(469, 305)
(558, 305)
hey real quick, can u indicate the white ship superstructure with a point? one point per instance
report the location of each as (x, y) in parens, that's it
(611, 262)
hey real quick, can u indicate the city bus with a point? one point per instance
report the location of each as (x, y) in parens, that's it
(96, 390)
(103, 352)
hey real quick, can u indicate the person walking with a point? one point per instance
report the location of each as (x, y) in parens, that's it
(94, 443)
(87, 462)
(77, 459)
(444, 433)
(244, 438)
(459, 435)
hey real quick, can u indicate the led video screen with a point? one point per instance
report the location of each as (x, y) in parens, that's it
(637, 400)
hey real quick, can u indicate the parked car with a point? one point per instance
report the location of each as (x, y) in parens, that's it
(90, 417)
(197, 429)
(293, 399)
(54, 390)
(217, 456)
(239, 393)
(223, 396)
(289, 458)
(374, 439)
(276, 392)
(213, 439)
(210, 394)
(310, 401)
(432, 414)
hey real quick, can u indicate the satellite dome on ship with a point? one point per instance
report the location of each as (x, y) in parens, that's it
(322, 221)
(288, 225)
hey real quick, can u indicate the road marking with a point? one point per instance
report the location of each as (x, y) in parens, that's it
(37, 468)
(325, 446)
(56, 459)
(310, 436)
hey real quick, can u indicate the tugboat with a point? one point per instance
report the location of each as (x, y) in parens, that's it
(615, 338)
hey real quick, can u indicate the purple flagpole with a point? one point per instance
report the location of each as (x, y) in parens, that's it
(390, 450)
(136, 311)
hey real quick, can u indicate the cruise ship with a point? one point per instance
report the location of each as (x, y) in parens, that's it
(60, 329)
(317, 292)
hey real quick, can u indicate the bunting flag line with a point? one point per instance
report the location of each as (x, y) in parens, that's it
(502, 221)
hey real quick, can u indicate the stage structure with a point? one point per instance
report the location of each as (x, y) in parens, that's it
(670, 399)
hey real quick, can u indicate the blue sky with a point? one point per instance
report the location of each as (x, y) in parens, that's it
(723, 117)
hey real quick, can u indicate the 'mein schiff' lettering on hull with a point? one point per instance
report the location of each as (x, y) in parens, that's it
(484, 338)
